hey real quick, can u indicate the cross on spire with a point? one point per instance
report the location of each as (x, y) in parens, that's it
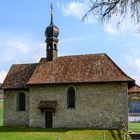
(51, 6)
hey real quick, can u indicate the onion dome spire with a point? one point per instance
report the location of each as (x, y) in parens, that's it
(51, 30)
(51, 34)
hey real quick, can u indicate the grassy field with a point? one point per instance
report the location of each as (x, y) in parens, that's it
(134, 127)
(1, 113)
(1, 117)
(1, 105)
(18, 133)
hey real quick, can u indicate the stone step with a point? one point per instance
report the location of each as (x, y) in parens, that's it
(135, 136)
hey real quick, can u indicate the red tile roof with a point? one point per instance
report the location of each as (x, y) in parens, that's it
(66, 69)
(134, 89)
(78, 69)
(18, 76)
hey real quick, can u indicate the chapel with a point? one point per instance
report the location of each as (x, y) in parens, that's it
(75, 91)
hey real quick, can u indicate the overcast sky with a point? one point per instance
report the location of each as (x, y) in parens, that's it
(23, 22)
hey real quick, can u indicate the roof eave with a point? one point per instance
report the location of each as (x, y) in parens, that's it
(15, 88)
(130, 82)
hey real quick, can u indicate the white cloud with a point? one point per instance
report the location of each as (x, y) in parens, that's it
(7, 56)
(116, 26)
(18, 45)
(136, 64)
(113, 28)
(39, 51)
(77, 10)
(14, 50)
(18, 50)
(2, 75)
(110, 29)
(133, 62)
(74, 39)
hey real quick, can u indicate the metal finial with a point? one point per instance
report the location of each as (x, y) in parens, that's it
(51, 12)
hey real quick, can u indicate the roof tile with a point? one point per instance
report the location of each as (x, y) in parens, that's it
(134, 89)
(78, 69)
(66, 69)
(18, 76)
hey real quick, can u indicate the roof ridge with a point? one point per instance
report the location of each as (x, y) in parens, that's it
(24, 64)
(76, 55)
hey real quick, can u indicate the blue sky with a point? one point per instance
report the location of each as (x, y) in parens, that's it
(22, 40)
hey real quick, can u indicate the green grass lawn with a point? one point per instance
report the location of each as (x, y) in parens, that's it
(1, 117)
(20, 133)
(1, 105)
(1, 113)
(134, 127)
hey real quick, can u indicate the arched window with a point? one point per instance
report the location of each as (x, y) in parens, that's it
(21, 101)
(71, 98)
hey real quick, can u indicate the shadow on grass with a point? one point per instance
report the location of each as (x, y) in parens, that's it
(117, 136)
(28, 129)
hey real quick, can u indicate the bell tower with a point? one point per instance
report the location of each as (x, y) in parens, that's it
(51, 34)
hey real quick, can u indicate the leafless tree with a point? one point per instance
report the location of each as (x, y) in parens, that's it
(106, 9)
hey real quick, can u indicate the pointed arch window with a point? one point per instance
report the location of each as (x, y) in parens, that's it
(21, 101)
(71, 97)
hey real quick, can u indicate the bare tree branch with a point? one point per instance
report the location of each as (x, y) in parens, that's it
(105, 9)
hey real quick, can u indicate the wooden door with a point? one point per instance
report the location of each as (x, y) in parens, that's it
(48, 119)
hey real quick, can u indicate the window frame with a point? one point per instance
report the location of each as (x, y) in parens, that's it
(71, 98)
(21, 101)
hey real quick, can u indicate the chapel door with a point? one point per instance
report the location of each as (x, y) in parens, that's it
(48, 119)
